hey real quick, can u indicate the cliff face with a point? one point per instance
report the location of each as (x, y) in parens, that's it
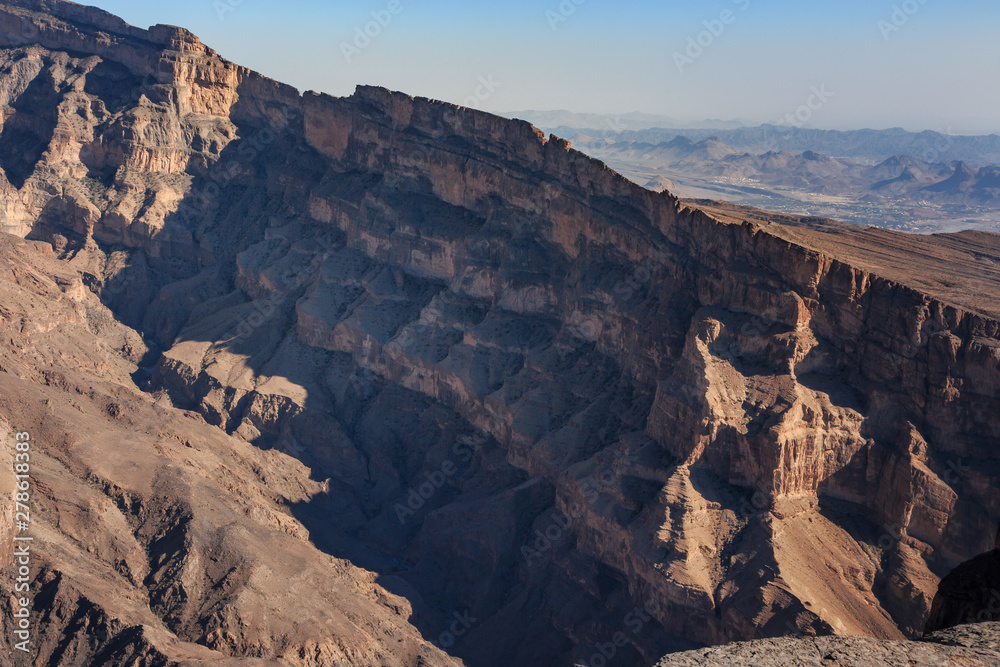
(969, 594)
(531, 393)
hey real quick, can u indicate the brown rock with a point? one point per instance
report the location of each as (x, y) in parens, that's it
(440, 346)
(975, 646)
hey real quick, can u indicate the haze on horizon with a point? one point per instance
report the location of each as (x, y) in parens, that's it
(917, 64)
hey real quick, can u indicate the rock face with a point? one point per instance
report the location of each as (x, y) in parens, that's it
(159, 539)
(969, 594)
(970, 645)
(415, 372)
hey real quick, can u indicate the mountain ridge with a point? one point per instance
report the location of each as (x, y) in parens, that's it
(898, 192)
(875, 145)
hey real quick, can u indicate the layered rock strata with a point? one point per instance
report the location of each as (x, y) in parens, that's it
(536, 400)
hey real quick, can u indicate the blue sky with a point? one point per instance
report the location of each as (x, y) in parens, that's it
(918, 64)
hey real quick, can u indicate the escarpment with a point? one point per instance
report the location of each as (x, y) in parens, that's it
(512, 393)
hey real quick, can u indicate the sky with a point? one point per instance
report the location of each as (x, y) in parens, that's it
(850, 64)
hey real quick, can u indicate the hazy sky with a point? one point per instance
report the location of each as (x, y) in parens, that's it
(918, 64)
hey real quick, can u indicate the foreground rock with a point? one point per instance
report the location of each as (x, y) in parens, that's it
(964, 646)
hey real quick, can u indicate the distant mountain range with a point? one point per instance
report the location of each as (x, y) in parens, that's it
(893, 191)
(898, 175)
(612, 123)
(869, 145)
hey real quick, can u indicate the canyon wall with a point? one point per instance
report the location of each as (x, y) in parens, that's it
(534, 393)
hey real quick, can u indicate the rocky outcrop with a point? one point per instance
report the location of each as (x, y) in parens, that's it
(523, 390)
(969, 594)
(973, 645)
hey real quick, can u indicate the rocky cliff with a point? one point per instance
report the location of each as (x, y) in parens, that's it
(504, 391)
(969, 594)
